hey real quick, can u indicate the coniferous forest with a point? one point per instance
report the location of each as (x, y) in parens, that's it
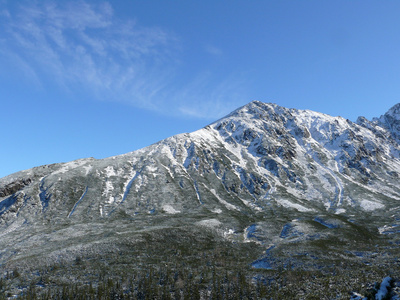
(183, 273)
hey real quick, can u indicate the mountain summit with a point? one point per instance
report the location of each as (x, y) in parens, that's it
(276, 177)
(391, 121)
(259, 155)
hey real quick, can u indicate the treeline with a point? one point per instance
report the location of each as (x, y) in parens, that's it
(156, 284)
(219, 273)
(211, 283)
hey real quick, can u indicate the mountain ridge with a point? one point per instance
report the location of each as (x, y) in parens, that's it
(353, 147)
(360, 121)
(281, 179)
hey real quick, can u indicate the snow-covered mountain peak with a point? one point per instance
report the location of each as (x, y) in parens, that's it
(261, 111)
(270, 118)
(263, 173)
(255, 109)
(390, 121)
(394, 112)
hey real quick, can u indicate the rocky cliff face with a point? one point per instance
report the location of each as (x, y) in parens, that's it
(264, 174)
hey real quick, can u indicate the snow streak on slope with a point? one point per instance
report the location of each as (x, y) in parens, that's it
(77, 202)
(289, 181)
(260, 163)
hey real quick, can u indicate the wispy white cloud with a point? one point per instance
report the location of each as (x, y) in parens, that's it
(203, 102)
(83, 46)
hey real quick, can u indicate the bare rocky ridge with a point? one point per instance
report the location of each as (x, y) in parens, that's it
(13, 187)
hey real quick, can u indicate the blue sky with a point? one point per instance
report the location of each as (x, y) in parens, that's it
(95, 79)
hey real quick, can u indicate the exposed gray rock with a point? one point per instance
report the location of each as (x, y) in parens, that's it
(292, 172)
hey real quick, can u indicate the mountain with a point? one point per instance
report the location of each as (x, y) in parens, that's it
(271, 186)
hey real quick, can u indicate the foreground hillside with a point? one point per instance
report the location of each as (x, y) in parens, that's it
(262, 197)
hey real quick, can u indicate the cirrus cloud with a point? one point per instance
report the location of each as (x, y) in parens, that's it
(85, 48)
(81, 45)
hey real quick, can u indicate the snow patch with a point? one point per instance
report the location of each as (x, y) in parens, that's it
(389, 229)
(107, 191)
(211, 223)
(288, 204)
(196, 188)
(227, 205)
(153, 170)
(170, 210)
(87, 169)
(70, 165)
(370, 205)
(110, 171)
(228, 233)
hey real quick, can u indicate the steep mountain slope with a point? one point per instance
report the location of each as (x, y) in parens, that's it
(290, 182)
